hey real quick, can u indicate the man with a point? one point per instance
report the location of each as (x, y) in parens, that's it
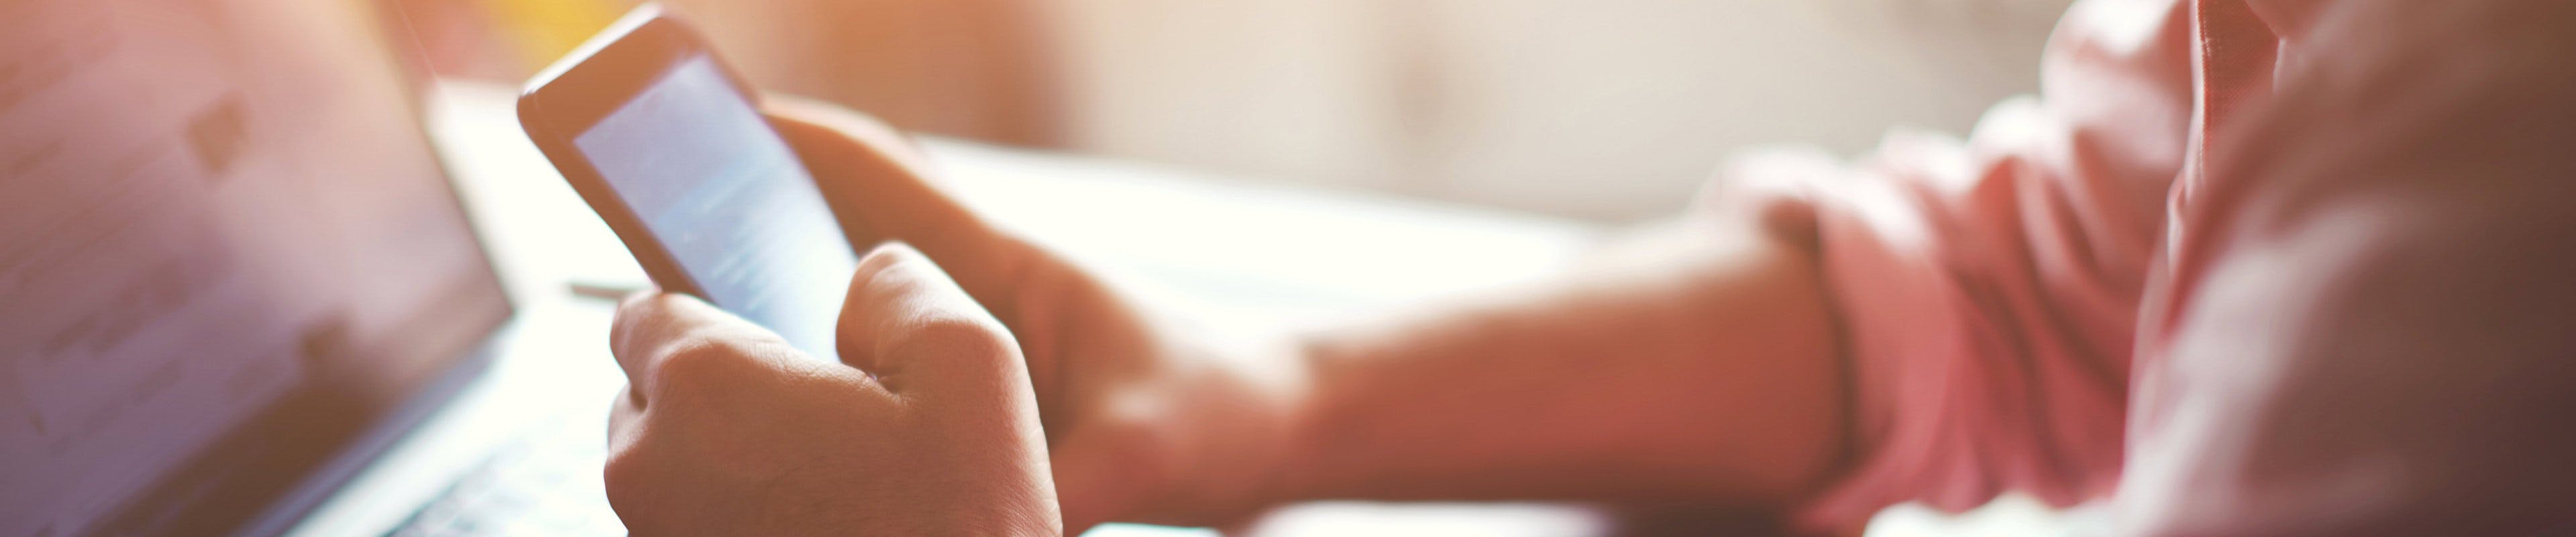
(2247, 267)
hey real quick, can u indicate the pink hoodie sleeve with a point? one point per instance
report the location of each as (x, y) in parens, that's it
(2336, 238)
(1988, 289)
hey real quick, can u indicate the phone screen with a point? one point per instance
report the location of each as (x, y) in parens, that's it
(729, 200)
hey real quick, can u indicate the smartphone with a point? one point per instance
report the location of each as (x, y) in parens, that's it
(668, 145)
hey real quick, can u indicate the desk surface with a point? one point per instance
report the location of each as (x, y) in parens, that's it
(1279, 251)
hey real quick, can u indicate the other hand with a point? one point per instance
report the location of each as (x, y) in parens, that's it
(1147, 420)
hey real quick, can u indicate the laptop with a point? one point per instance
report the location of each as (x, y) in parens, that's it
(233, 274)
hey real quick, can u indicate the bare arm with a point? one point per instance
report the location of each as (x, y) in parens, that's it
(1702, 368)
(1695, 361)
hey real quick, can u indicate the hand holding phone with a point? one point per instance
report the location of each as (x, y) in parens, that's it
(714, 204)
(720, 432)
(668, 145)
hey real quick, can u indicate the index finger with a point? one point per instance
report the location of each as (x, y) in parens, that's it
(651, 322)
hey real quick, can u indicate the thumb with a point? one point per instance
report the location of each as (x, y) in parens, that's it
(908, 324)
(882, 188)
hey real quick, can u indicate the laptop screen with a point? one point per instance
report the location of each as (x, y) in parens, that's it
(226, 250)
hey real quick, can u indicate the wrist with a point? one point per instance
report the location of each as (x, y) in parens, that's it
(1242, 433)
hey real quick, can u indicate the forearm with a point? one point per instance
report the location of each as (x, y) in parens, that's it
(1704, 372)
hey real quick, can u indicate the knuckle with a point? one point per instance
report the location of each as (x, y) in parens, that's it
(890, 273)
(624, 477)
(632, 314)
(886, 255)
(955, 336)
(694, 363)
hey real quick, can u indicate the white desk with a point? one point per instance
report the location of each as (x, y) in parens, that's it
(1280, 252)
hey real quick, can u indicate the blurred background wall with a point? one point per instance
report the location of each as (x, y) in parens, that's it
(1602, 109)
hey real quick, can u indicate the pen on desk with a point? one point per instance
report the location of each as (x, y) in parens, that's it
(603, 291)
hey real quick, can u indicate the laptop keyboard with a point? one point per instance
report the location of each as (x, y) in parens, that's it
(546, 483)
